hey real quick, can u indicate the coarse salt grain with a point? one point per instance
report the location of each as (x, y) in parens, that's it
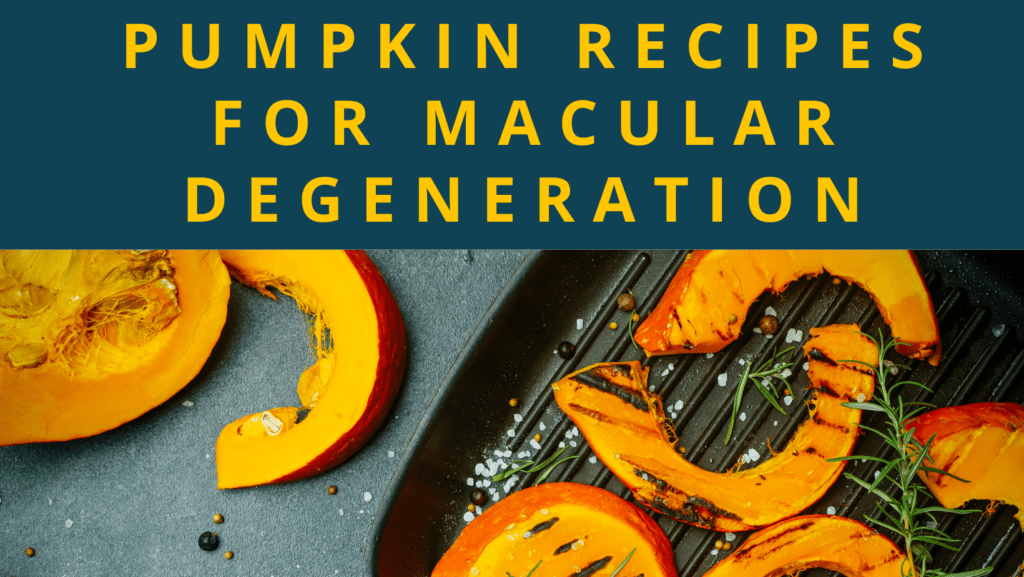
(467, 517)
(543, 426)
(534, 444)
(790, 335)
(671, 367)
(486, 483)
(579, 324)
(572, 443)
(469, 481)
(714, 552)
(722, 379)
(788, 400)
(730, 537)
(391, 454)
(507, 453)
(754, 455)
(877, 473)
(743, 416)
(593, 459)
(480, 469)
(775, 424)
(771, 311)
(678, 406)
(709, 355)
(786, 373)
(807, 366)
(69, 523)
(511, 432)
(510, 483)
(758, 330)
(561, 445)
(664, 373)
(742, 362)
(831, 510)
(341, 512)
(651, 388)
(517, 418)
(367, 496)
(187, 404)
(674, 415)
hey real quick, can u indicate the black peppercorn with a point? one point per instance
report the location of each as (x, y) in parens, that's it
(566, 350)
(208, 541)
(478, 497)
(769, 325)
(626, 302)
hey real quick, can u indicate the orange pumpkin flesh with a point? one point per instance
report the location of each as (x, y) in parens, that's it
(92, 339)
(982, 443)
(713, 287)
(626, 427)
(825, 541)
(350, 387)
(568, 528)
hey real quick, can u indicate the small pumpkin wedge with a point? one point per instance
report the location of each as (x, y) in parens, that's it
(567, 528)
(626, 427)
(91, 339)
(359, 344)
(982, 443)
(707, 300)
(810, 541)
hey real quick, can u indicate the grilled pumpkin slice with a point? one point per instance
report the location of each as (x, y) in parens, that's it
(627, 429)
(810, 541)
(566, 528)
(982, 443)
(707, 301)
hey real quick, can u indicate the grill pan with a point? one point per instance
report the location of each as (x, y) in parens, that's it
(511, 355)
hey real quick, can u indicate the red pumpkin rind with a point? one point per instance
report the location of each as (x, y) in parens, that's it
(805, 542)
(720, 285)
(511, 515)
(982, 443)
(387, 376)
(77, 408)
(626, 427)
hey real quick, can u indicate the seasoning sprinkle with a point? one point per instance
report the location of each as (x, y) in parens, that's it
(613, 325)
(513, 402)
(228, 555)
(30, 552)
(218, 518)
(332, 490)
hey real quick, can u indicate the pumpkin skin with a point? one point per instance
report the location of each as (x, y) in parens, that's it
(626, 427)
(982, 443)
(712, 285)
(541, 524)
(353, 383)
(809, 541)
(61, 400)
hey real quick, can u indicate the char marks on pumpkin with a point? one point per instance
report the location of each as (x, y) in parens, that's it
(593, 567)
(565, 548)
(687, 514)
(817, 355)
(819, 421)
(542, 526)
(893, 556)
(771, 540)
(595, 380)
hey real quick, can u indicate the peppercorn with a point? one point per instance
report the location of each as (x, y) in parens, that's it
(566, 350)
(769, 324)
(30, 552)
(626, 302)
(208, 541)
(332, 490)
(513, 402)
(228, 554)
(537, 437)
(613, 325)
(478, 497)
(733, 318)
(719, 544)
(727, 545)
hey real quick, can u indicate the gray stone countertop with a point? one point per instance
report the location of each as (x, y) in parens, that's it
(133, 501)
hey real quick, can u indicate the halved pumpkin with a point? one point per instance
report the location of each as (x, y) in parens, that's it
(358, 341)
(566, 528)
(627, 429)
(982, 443)
(92, 339)
(810, 541)
(707, 301)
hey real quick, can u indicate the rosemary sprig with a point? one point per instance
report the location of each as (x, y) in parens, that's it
(633, 313)
(905, 513)
(771, 369)
(531, 570)
(624, 561)
(528, 467)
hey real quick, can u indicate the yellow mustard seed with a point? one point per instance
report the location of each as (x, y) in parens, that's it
(613, 325)
(726, 546)
(30, 552)
(228, 554)
(471, 508)
(719, 544)
(537, 437)
(513, 402)
(332, 490)
(218, 518)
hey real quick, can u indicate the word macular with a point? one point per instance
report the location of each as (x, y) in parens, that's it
(593, 39)
(552, 194)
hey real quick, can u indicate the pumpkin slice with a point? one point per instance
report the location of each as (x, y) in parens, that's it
(567, 528)
(810, 541)
(358, 342)
(91, 339)
(982, 443)
(707, 301)
(627, 429)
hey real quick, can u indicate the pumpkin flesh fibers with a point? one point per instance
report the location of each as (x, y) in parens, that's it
(626, 427)
(90, 339)
(714, 287)
(982, 443)
(810, 541)
(566, 527)
(358, 341)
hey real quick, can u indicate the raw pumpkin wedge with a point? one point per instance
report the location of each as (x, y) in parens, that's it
(358, 342)
(566, 528)
(626, 427)
(982, 443)
(707, 301)
(91, 339)
(810, 541)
